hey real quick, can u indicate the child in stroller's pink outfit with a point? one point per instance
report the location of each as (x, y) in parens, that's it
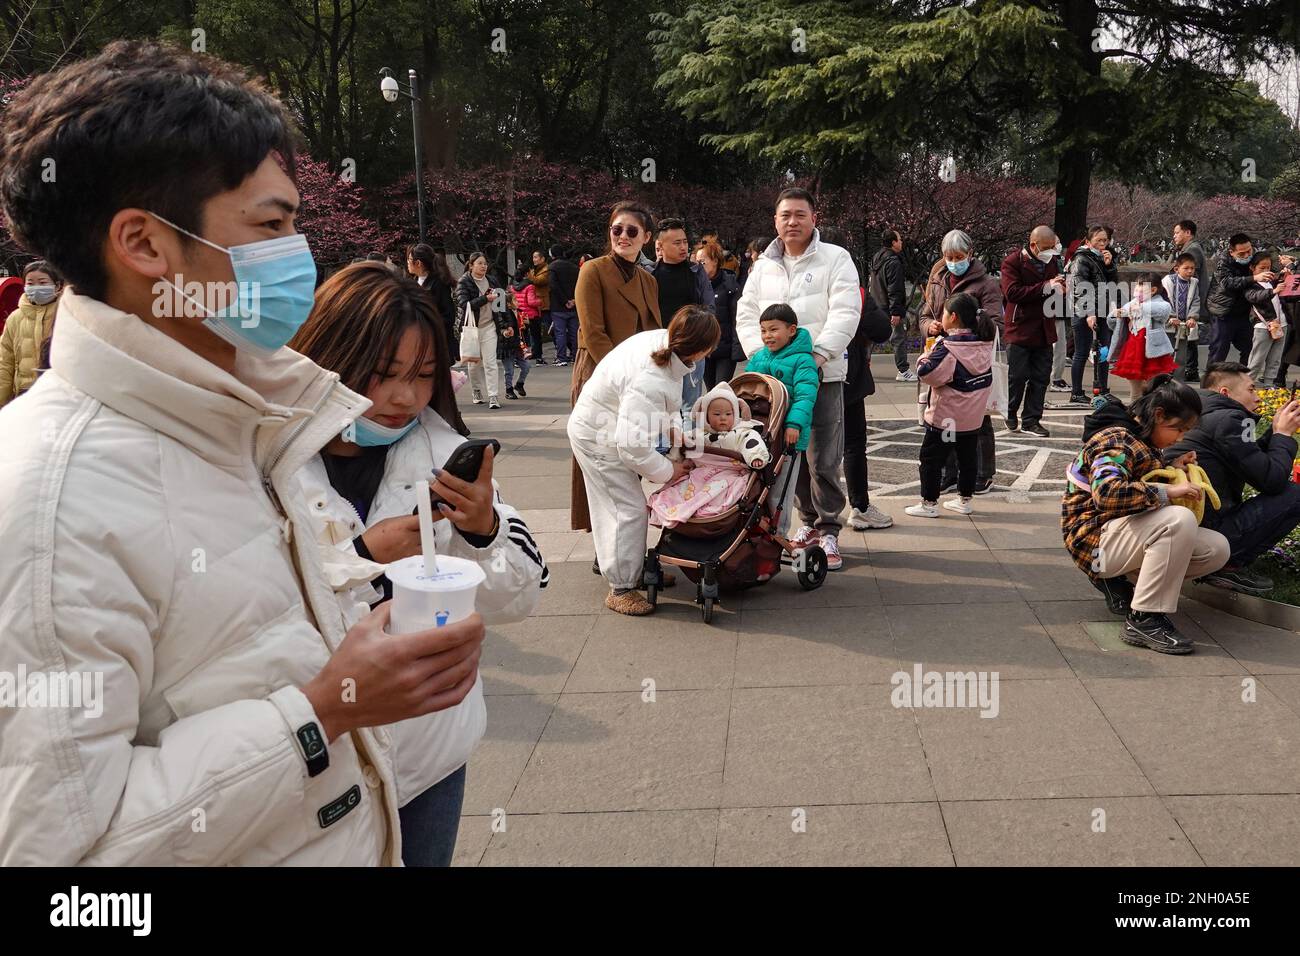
(716, 482)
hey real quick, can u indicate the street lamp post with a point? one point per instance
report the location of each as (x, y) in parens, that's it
(391, 91)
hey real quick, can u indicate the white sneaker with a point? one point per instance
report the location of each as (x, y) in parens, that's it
(872, 517)
(493, 403)
(925, 509)
(478, 399)
(831, 545)
(959, 505)
(804, 537)
(908, 376)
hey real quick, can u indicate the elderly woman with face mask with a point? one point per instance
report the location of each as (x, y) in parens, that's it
(959, 271)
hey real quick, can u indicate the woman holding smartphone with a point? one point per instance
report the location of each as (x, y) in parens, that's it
(380, 332)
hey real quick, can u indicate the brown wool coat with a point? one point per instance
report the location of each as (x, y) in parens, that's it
(609, 311)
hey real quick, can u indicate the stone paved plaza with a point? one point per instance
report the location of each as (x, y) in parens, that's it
(773, 739)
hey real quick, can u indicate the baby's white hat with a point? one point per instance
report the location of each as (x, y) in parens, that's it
(700, 413)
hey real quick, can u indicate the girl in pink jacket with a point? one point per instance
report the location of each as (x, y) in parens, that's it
(959, 371)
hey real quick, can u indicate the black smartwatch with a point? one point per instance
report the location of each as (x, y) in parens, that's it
(314, 750)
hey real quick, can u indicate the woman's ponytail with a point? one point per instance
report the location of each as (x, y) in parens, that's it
(693, 329)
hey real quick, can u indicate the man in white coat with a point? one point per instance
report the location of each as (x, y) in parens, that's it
(820, 282)
(177, 685)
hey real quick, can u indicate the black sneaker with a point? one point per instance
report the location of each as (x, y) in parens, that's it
(539, 361)
(1191, 377)
(948, 487)
(1035, 429)
(519, 390)
(1081, 400)
(1013, 423)
(595, 565)
(1239, 579)
(1118, 593)
(983, 487)
(1155, 631)
(510, 393)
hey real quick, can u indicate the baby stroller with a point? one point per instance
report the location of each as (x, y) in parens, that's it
(740, 548)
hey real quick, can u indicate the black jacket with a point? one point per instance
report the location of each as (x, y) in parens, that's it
(887, 282)
(1228, 298)
(564, 280)
(443, 300)
(873, 327)
(1224, 448)
(467, 294)
(725, 296)
(1088, 274)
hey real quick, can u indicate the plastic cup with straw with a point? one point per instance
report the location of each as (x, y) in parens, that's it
(430, 590)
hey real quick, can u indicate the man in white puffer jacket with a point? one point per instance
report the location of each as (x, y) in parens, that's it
(820, 282)
(159, 554)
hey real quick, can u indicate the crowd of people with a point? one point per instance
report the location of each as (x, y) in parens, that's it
(213, 491)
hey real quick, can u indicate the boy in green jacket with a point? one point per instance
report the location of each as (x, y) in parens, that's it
(787, 356)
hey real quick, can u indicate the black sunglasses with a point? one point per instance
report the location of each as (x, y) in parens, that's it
(632, 231)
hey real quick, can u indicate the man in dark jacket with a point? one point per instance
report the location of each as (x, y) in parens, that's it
(564, 313)
(681, 282)
(1031, 281)
(1227, 302)
(1233, 456)
(1185, 241)
(889, 291)
(873, 327)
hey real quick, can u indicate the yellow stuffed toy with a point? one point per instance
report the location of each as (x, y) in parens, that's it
(1194, 475)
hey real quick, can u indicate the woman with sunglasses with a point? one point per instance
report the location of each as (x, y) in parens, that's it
(615, 300)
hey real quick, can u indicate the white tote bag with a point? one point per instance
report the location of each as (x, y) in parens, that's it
(469, 345)
(999, 391)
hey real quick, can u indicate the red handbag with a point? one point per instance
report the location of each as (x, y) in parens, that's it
(1289, 291)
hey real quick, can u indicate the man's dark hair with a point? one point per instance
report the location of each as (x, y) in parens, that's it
(1239, 239)
(1184, 257)
(1217, 374)
(666, 224)
(796, 192)
(890, 236)
(1186, 225)
(1093, 230)
(140, 125)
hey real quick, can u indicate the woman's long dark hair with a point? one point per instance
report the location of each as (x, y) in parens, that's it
(360, 316)
(1177, 400)
(433, 263)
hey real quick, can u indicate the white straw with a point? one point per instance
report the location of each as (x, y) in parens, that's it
(424, 507)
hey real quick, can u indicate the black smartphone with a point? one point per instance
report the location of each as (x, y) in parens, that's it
(466, 460)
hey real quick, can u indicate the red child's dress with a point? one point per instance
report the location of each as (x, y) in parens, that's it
(1133, 363)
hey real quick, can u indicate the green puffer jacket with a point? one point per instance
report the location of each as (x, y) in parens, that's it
(796, 369)
(26, 329)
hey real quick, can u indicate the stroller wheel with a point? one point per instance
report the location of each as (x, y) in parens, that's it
(813, 573)
(708, 610)
(652, 595)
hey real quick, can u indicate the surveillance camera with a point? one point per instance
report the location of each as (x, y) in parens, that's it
(388, 87)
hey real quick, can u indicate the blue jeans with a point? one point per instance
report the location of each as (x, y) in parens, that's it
(430, 821)
(512, 361)
(1083, 337)
(564, 326)
(1256, 524)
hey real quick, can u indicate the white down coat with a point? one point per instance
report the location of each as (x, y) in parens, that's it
(821, 286)
(428, 748)
(155, 534)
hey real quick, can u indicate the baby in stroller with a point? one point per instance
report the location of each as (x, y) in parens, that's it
(722, 429)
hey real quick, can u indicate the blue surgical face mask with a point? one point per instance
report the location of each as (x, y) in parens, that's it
(276, 281)
(369, 434)
(959, 267)
(1241, 262)
(40, 294)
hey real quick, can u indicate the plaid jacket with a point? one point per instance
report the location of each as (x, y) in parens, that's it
(1101, 485)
